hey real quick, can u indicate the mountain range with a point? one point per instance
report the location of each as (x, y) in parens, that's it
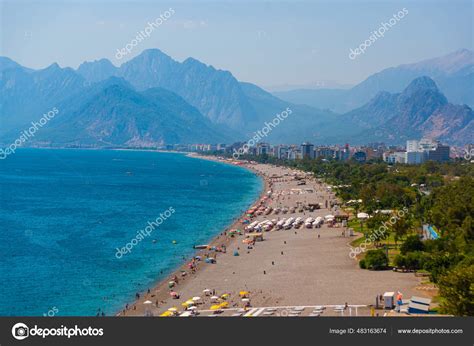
(420, 110)
(153, 100)
(453, 73)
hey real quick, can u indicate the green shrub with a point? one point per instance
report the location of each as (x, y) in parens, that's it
(362, 264)
(400, 261)
(456, 287)
(412, 243)
(376, 260)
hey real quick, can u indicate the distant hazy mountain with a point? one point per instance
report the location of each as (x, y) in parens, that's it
(26, 94)
(454, 74)
(304, 123)
(421, 110)
(153, 99)
(97, 70)
(7, 63)
(216, 93)
(112, 113)
(242, 107)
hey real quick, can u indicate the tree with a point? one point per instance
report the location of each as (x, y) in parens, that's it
(376, 260)
(457, 289)
(401, 227)
(412, 243)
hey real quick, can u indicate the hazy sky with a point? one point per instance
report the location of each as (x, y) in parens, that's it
(269, 43)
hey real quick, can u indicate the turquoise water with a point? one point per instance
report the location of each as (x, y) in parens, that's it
(63, 214)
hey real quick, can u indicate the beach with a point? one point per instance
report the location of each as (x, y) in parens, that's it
(296, 267)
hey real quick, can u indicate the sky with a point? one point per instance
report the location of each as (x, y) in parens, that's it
(275, 44)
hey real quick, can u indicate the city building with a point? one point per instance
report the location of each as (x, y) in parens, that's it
(415, 157)
(263, 149)
(307, 150)
(426, 149)
(439, 154)
(394, 157)
(413, 146)
(360, 156)
(325, 153)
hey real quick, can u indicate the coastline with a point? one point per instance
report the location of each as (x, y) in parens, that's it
(161, 288)
(297, 267)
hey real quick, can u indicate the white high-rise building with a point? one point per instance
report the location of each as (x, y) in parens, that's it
(413, 145)
(427, 144)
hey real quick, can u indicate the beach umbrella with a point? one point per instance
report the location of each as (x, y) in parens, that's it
(147, 302)
(243, 293)
(225, 296)
(173, 309)
(207, 291)
(245, 300)
(166, 314)
(192, 308)
(362, 216)
(196, 299)
(189, 302)
(214, 298)
(215, 307)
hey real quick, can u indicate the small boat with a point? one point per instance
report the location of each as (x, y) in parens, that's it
(200, 246)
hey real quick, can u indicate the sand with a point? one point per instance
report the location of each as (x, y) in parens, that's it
(311, 271)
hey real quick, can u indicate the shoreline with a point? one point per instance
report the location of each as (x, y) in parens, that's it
(299, 266)
(218, 240)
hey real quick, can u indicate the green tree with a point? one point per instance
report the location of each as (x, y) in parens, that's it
(457, 289)
(412, 243)
(376, 260)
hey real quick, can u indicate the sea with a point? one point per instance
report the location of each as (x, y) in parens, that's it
(82, 231)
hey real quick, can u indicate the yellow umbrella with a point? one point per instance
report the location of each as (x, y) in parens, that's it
(244, 293)
(224, 305)
(225, 295)
(173, 309)
(166, 314)
(215, 307)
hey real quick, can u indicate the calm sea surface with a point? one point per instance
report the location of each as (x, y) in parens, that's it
(64, 213)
